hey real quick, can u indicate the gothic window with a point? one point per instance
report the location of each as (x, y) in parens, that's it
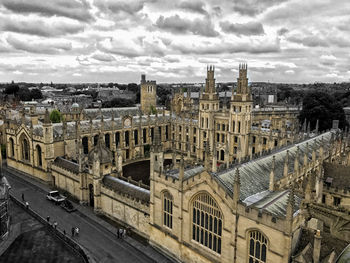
(236, 139)
(144, 135)
(107, 140)
(207, 222)
(239, 127)
(223, 127)
(223, 138)
(264, 141)
(167, 132)
(136, 137)
(39, 157)
(253, 150)
(222, 155)
(276, 143)
(257, 247)
(25, 150)
(336, 201)
(167, 210)
(235, 150)
(85, 143)
(218, 137)
(12, 148)
(254, 139)
(152, 134)
(117, 139)
(160, 132)
(126, 134)
(95, 140)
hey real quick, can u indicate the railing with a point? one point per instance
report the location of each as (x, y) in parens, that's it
(65, 238)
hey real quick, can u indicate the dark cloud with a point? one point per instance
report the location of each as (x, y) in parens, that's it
(40, 27)
(176, 24)
(75, 9)
(103, 57)
(282, 31)
(309, 41)
(228, 48)
(248, 29)
(193, 6)
(254, 7)
(127, 6)
(38, 46)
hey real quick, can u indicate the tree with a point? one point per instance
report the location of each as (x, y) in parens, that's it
(153, 110)
(55, 116)
(11, 89)
(321, 106)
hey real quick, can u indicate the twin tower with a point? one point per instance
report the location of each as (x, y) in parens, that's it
(148, 96)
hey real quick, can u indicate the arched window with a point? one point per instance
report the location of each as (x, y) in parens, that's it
(207, 222)
(95, 140)
(107, 140)
(39, 157)
(167, 210)
(257, 247)
(12, 148)
(25, 150)
(85, 142)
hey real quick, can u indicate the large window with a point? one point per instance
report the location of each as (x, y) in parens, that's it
(39, 156)
(167, 210)
(257, 247)
(25, 150)
(12, 148)
(207, 222)
(85, 142)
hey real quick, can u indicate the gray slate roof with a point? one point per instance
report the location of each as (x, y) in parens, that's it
(66, 164)
(255, 175)
(124, 187)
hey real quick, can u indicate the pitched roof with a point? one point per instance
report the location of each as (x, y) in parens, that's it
(255, 174)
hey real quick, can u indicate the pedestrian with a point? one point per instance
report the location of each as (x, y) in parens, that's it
(48, 219)
(73, 230)
(22, 197)
(118, 233)
(64, 232)
(27, 205)
(124, 233)
(121, 233)
(77, 231)
(55, 225)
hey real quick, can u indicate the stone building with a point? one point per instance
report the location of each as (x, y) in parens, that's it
(148, 95)
(224, 185)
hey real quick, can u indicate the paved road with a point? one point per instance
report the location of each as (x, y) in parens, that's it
(101, 244)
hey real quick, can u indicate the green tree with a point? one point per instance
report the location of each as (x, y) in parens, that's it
(153, 109)
(11, 89)
(321, 106)
(55, 116)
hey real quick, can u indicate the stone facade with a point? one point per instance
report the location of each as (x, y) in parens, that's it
(232, 193)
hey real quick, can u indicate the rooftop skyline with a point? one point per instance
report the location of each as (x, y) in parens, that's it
(173, 41)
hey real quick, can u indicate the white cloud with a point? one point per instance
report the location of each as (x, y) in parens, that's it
(107, 40)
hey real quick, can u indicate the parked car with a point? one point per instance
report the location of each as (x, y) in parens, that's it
(68, 206)
(55, 196)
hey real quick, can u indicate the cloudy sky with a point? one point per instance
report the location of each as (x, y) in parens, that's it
(298, 41)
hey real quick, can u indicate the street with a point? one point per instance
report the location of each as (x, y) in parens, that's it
(100, 243)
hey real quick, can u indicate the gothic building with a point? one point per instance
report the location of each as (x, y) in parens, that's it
(225, 185)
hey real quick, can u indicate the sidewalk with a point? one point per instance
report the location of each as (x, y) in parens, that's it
(88, 212)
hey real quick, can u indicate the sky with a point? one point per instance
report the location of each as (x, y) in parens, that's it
(290, 41)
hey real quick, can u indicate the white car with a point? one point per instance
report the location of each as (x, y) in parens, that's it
(55, 196)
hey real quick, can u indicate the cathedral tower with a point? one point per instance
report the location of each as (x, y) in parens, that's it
(240, 116)
(208, 105)
(148, 96)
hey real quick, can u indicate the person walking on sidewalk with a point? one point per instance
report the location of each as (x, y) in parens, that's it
(48, 219)
(124, 233)
(73, 230)
(27, 205)
(121, 233)
(55, 224)
(22, 197)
